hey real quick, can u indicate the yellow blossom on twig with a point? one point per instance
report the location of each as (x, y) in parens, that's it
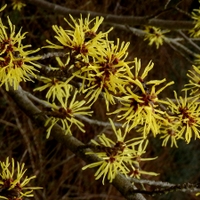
(81, 40)
(56, 89)
(15, 63)
(13, 183)
(17, 4)
(140, 101)
(169, 130)
(67, 113)
(106, 74)
(135, 169)
(155, 35)
(186, 110)
(116, 156)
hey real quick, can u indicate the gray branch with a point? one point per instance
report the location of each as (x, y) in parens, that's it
(109, 18)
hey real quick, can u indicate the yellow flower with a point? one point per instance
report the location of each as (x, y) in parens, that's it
(135, 169)
(137, 70)
(139, 102)
(169, 130)
(97, 62)
(194, 82)
(141, 149)
(187, 113)
(116, 155)
(81, 40)
(136, 172)
(108, 167)
(56, 88)
(83, 45)
(90, 27)
(17, 4)
(195, 32)
(155, 35)
(57, 82)
(106, 74)
(15, 63)
(66, 113)
(13, 182)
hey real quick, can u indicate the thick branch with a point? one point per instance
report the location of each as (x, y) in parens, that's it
(163, 187)
(129, 20)
(122, 184)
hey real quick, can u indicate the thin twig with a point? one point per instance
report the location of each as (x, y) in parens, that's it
(86, 119)
(52, 54)
(97, 122)
(181, 53)
(189, 40)
(184, 48)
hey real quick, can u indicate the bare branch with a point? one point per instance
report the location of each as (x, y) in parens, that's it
(185, 187)
(189, 40)
(129, 20)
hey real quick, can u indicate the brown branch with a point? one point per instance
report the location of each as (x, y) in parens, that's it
(122, 184)
(109, 18)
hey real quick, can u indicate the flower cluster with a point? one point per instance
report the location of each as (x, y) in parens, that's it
(107, 74)
(92, 59)
(183, 113)
(82, 39)
(139, 104)
(101, 68)
(118, 156)
(13, 184)
(15, 63)
(185, 118)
